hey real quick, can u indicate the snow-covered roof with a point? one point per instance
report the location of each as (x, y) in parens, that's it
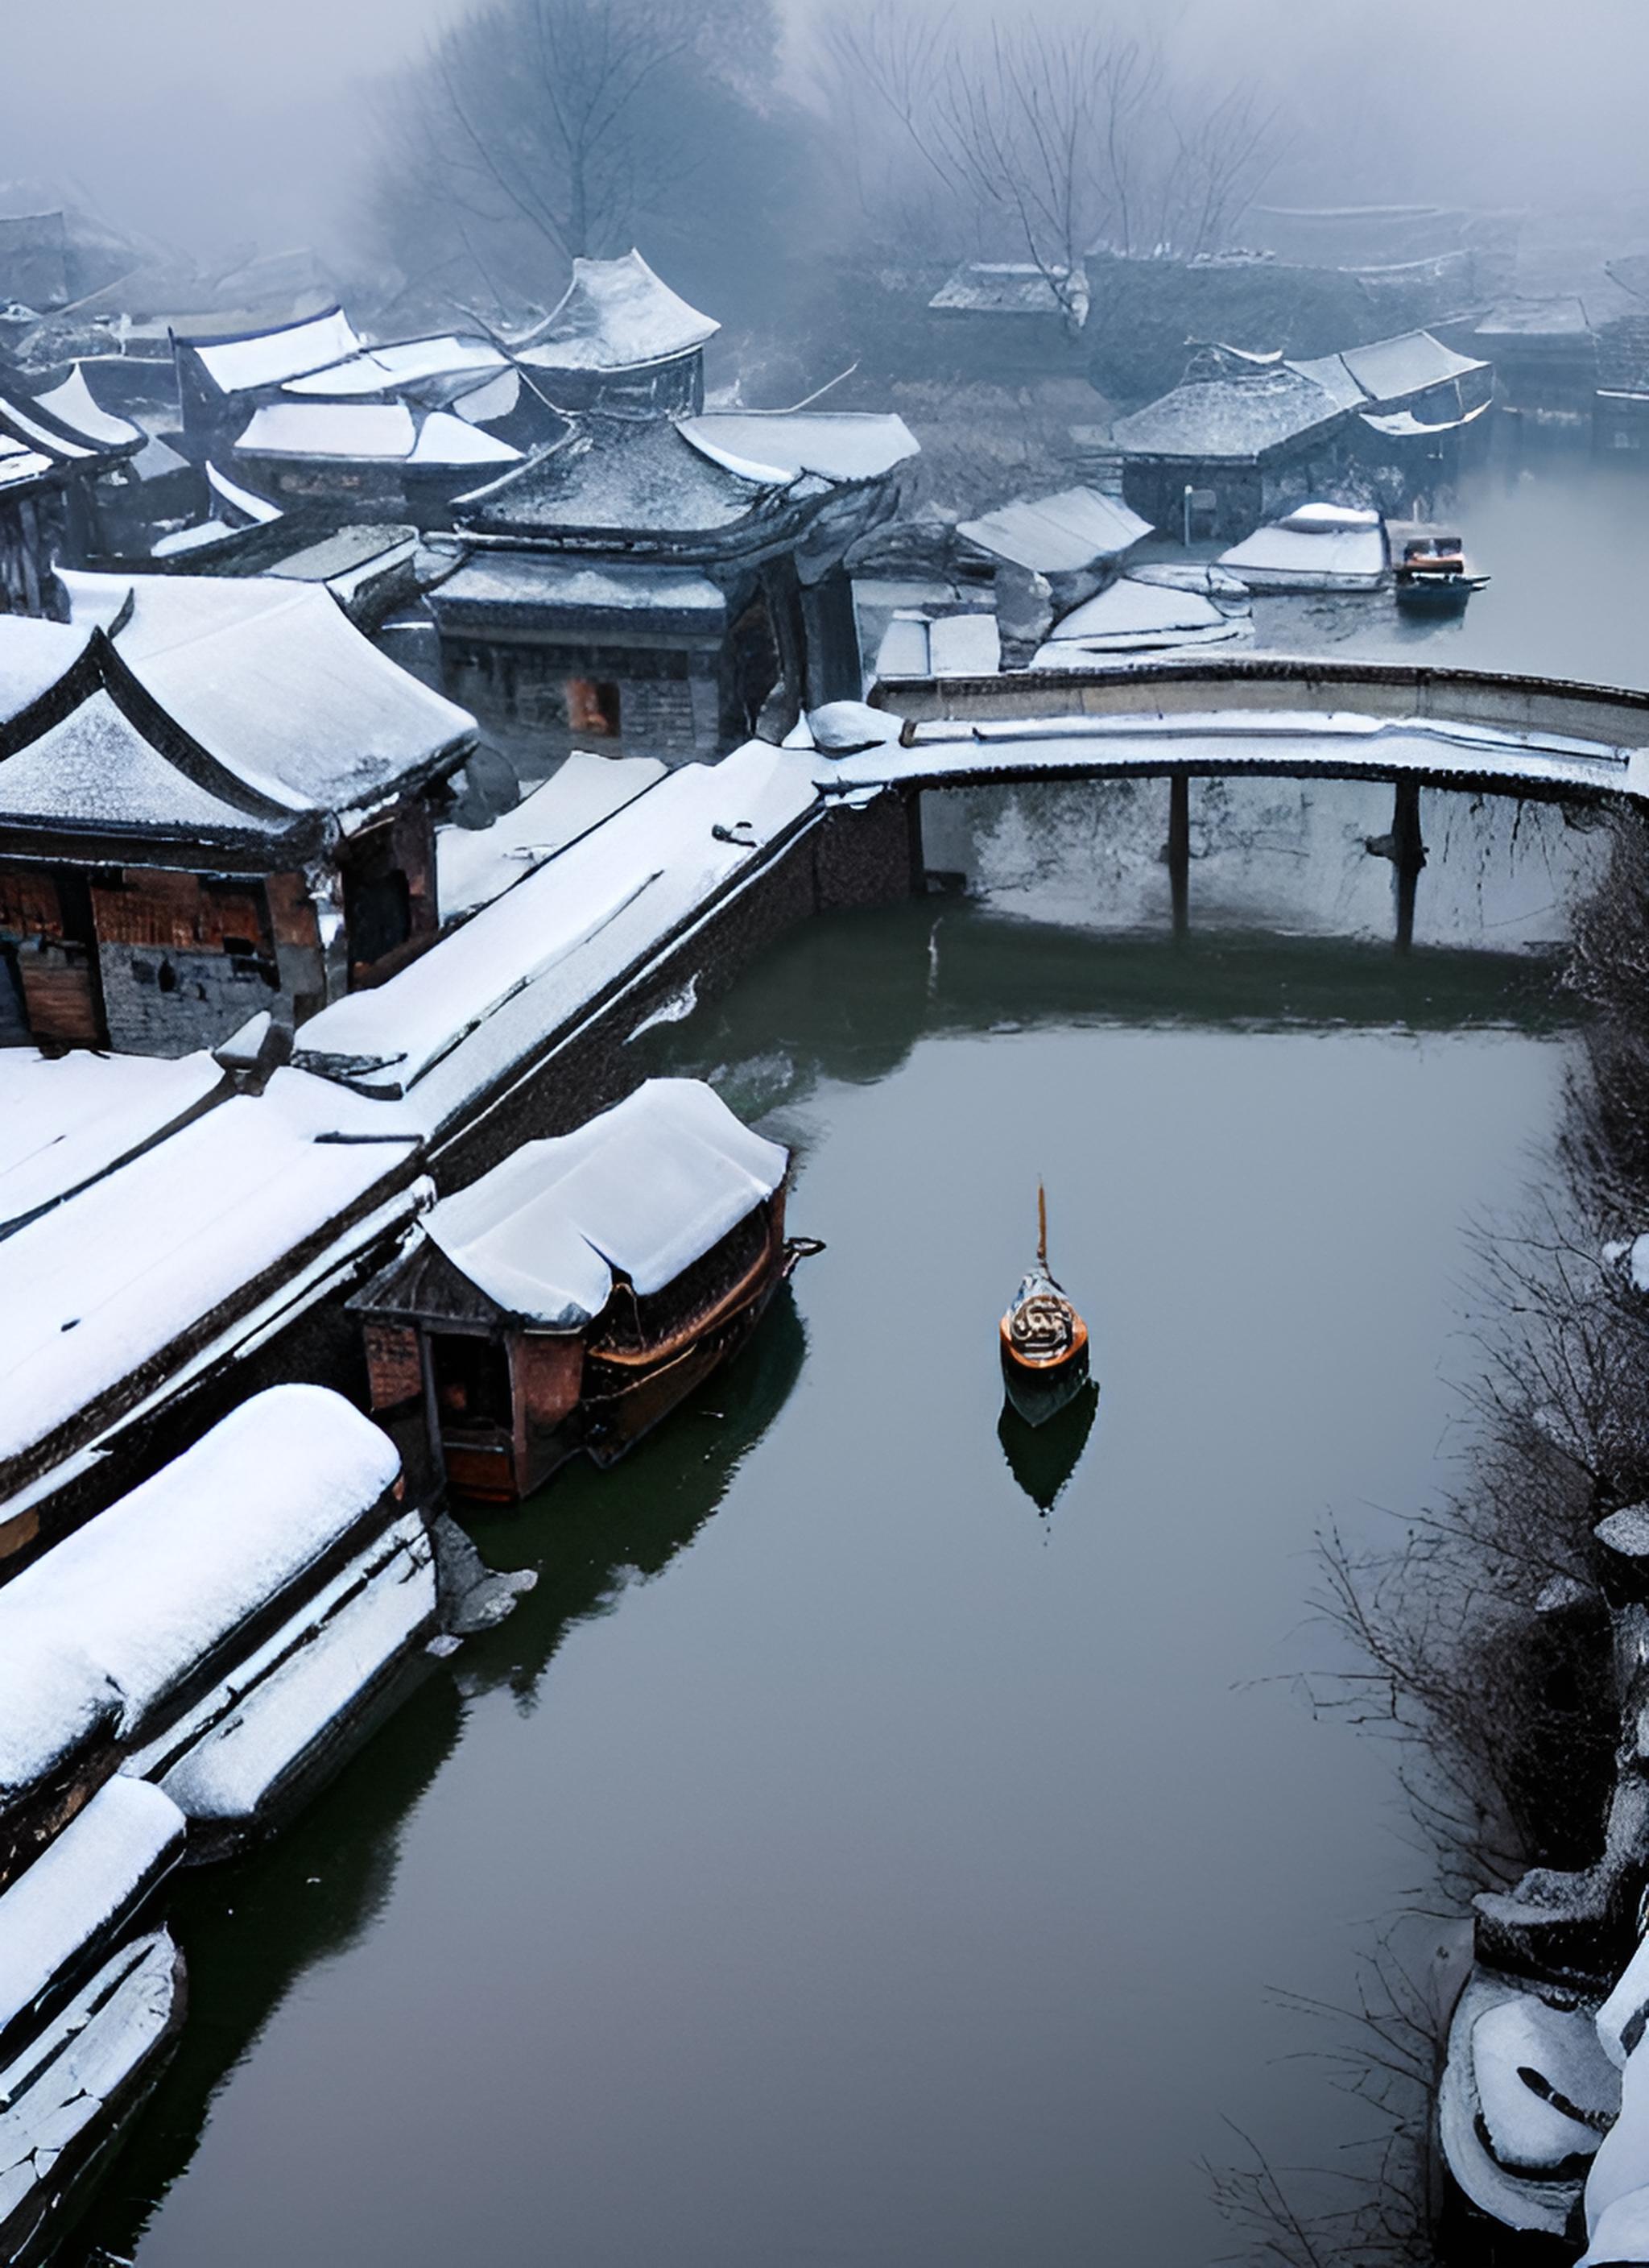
(484, 999)
(72, 404)
(569, 587)
(1013, 287)
(1057, 534)
(368, 432)
(1128, 611)
(270, 357)
(1402, 424)
(1392, 370)
(840, 445)
(476, 864)
(1239, 419)
(616, 314)
(34, 655)
(140, 1596)
(446, 439)
(20, 464)
(498, 398)
(1535, 319)
(257, 509)
(639, 477)
(361, 429)
(922, 645)
(274, 683)
(98, 765)
(65, 1119)
(101, 1286)
(127, 1838)
(47, 434)
(647, 1186)
(1387, 372)
(382, 369)
(1318, 547)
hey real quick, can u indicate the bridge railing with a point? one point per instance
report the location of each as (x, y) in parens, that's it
(1500, 701)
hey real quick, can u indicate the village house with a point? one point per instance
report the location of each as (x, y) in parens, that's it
(1248, 436)
(1545, 356)
(1011, 319)
(57, 454)
(659, 574)
(221, 380)
(1621, 403)
(216, 799)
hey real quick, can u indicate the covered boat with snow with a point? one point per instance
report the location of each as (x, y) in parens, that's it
(221, 1630)
(1316, 547)
(571, 1298)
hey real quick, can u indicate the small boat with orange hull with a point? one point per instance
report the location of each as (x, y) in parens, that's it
(1044, 1340)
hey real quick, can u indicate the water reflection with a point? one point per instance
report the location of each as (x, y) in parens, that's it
(1042, 1458)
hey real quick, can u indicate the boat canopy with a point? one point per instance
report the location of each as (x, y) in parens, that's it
(647, 1186)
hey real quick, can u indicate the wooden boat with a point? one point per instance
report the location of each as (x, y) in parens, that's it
(1432, 577)
(567, 1301)
(1044, 1340)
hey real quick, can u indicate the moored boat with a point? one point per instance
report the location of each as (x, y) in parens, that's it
(1044, 1340)
(1433, 576)
(568, 1300)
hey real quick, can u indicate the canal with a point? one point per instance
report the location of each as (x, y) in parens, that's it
(846, 1854)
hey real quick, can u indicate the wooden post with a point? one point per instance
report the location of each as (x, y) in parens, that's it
(1178, 853)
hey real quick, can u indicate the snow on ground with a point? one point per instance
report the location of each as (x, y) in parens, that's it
(64, 1120)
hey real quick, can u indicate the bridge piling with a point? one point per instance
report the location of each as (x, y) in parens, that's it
(1178, 854)
(1405, 847)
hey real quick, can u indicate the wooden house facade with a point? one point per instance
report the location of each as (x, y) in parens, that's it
(216, 799)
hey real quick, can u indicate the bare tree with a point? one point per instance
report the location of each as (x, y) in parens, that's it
(572, 125)
(1042, 140)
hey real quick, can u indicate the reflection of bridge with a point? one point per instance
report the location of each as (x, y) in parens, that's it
(1269, 717)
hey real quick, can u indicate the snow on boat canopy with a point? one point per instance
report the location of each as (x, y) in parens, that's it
(1319, 546)
(1061, 534)
(214, 1626)
(569, 1300)
(647, 1186)
(616, 314)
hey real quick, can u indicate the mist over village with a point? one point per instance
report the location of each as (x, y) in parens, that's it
(824, 1135)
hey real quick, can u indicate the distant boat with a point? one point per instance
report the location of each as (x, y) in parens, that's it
(1432, 577)
(1044, 1340)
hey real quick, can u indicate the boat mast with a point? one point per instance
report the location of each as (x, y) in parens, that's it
(1042, 1227)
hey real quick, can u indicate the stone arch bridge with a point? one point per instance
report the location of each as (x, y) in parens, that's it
(1532, 739)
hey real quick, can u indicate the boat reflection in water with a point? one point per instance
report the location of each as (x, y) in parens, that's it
(1042, 1458)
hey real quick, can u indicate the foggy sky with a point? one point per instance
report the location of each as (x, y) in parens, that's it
(222, 124)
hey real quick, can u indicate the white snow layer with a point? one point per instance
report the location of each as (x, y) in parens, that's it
(1621, 2233)
(475, 864)
(105, 1860)
(141, 1595)
(491, 995)
(64, 1120)
(1623, 2017)
(1622, 2164)
(648, 1187)
(1524, 2054)
(271, 357)
(73, 404)
(272, 679)
(67, 2072)
(106, 1282)
(238, 1764)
